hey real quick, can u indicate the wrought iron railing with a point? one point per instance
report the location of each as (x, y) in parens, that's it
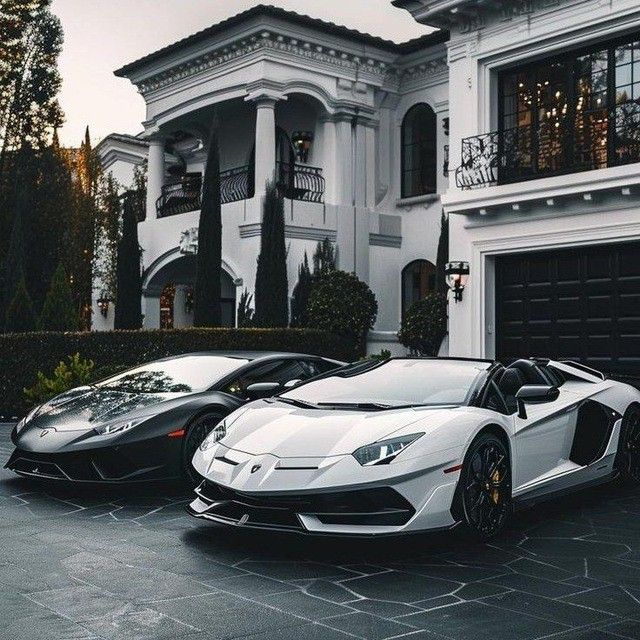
(301, 182)
(591, 140)
(236, 184)
(180, 197)
(186, 194)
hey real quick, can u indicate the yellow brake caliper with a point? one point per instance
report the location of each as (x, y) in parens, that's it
(495, 494)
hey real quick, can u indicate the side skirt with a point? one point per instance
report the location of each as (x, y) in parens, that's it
(528, 500)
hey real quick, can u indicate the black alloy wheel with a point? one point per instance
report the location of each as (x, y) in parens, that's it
(485, 483)
(628, 456)
(197, 431)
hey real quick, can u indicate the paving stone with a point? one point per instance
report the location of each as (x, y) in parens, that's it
(224, 615)
(301, 604)
(475, 621)
(553, 610)
(364, 625)
(400, 587)
(611, 599)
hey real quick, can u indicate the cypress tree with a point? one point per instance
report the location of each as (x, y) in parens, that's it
(20, 316)
(324, 258)
(207, 290)
(128, 313)
(300, 295)
(443, 254)
(58, 311)
(271, 276)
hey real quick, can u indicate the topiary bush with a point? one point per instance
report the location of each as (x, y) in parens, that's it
(342, 304)
(23, 355)
(424, 325)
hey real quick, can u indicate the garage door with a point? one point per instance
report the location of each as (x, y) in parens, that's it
(580, 304)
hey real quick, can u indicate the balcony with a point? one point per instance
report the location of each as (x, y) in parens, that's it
(298, 182)
(598, 139)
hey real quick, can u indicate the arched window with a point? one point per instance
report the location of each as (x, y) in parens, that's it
(418, 279)
(419, 152)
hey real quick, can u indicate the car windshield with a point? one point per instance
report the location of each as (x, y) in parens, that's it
(185, 374)
(393, 383)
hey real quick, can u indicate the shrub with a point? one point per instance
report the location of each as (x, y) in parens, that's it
(424, 325)
(58, 312)
(112, 351)
(245, 310)
(300, 295)
(342, 304)
(65, 376)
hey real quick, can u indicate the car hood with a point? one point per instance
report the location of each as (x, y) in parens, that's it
(86, 408)
(291, 432)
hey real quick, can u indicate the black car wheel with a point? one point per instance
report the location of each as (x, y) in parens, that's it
(197, 431)
(628, 456)
(485, 487)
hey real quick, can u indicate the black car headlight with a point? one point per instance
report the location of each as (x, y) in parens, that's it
(118, 426)
(384, 451)
(30, 416)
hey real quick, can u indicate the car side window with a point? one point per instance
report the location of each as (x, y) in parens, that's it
(280, 371)
(314, 368)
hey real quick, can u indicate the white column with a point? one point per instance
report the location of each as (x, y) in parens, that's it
(265, 142)
(155, 176)
(329, 168)
(344, 160)
(181, 318)
(151, 311)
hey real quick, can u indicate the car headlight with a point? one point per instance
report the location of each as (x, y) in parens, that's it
(23, 423)
(385, 451)
(217, 433)
(118, 426)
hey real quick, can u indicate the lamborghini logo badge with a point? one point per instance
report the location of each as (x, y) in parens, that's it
(44, 432)
(256, 467)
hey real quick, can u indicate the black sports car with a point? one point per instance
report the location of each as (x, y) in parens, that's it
(146, 423)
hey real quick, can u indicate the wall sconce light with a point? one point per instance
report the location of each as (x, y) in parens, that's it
(103, 304)
(301, 141)
(457, 275)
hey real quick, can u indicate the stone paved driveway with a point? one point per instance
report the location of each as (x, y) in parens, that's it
(131, 564)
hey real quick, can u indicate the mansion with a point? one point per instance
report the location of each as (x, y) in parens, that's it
(517, 118)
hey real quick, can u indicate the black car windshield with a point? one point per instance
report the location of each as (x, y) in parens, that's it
(185, 374)
(394, 383)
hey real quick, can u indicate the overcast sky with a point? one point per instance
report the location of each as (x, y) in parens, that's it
(102, 35)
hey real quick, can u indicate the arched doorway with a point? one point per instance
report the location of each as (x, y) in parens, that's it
(168, 294)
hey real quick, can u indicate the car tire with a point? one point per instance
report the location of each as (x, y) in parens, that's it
(484, 488)
(627, 461)
(197, 430)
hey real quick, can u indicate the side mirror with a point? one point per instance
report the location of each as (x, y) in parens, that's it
(289, 384)
(262, 390)
(535, 394)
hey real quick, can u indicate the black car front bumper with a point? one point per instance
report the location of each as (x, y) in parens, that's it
(155, 459)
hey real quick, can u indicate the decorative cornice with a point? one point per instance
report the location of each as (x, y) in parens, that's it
(253, 230)
(385, 240)
(422, 71)
(265, 42)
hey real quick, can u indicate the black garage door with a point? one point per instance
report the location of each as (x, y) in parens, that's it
(580, 304)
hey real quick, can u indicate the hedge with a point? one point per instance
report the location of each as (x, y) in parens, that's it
(23, 355)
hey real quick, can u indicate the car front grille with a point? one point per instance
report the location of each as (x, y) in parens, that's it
(366, 507)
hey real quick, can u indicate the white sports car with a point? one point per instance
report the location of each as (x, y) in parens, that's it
(408, 444)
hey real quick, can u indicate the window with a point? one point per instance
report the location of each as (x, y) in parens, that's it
(419, 152)
(183, 374)
(418, 279)
(415, 381)
(576, 112)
